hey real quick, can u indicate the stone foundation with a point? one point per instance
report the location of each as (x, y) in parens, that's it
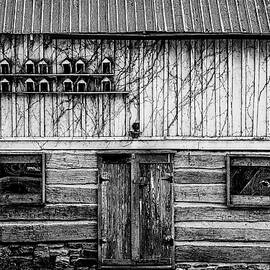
(70, 256)
(82, 256)
(221, 266)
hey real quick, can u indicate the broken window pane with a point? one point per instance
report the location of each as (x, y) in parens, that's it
(20, 178)
(249, 180)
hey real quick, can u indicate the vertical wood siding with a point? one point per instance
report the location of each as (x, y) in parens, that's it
(188, 88)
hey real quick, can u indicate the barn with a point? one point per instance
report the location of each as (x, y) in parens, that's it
(134, 134)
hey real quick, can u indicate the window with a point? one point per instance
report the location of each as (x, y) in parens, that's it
(30, 85)
(43, 67)
(248, 180)
(5, 86)
(80, 66)
(66, 67)
(68, 85)
(29, 67)
(106, 85)
(106, 66)
(22, 178)
(44, 86)
(5, 67)
(81, 86)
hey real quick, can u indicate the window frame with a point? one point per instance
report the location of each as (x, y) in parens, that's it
(43, 177)
(244, 201)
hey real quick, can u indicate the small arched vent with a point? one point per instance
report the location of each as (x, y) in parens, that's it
(106, 66)
(80, 66)
(5, 86)
(81, 86)
(44, 86)
(68, 85)
(5, 68)
(29, 67)
(43, 67)
(106, 85)
(67, 68)
(30, 85)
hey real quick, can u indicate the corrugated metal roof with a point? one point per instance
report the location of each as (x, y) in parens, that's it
(134, 16)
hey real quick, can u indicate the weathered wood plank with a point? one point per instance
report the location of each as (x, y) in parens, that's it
(71, 176)
(71, 194)
(222, 252)
(250, 200)
(217, 213)
(49, 212)
(200, 193)
(199, 160)
(236, 88)
(71, 160)
(48, 231)
(250, 161)
(199, 176)
(223, 231)
(223, 94)
(186, 86)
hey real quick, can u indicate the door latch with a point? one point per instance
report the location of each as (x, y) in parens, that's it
(143, 181)
(168, 240)
(168, 177)
(104, 176)
(102, 241)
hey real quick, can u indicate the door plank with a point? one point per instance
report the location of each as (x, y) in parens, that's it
(116, 214)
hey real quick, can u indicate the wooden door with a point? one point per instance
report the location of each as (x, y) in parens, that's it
(136, 217)
(154, 178)
(115, 214)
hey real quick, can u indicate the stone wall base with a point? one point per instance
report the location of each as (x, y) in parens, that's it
(48, 256)
(82, 256)
(222, 266)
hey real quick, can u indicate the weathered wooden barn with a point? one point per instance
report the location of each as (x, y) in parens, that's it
(134, 134)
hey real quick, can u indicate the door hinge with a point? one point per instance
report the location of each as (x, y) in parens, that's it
(143, 181)
(168, 177)
(168, 240)
(104, 176)
(102, 241)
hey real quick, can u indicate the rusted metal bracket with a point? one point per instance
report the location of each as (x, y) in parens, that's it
(143, 181)
(168, 240)
(168, 177)
(104, 176)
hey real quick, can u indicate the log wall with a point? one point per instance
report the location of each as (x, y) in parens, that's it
(206, 230)
(63, 232)
(175, 88)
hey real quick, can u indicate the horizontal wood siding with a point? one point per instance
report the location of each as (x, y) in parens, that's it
(176, 88)
(222, 252)
(48, 231)
(206, 230)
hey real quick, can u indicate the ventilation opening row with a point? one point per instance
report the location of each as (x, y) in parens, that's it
(42, 67)
(45, 86)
